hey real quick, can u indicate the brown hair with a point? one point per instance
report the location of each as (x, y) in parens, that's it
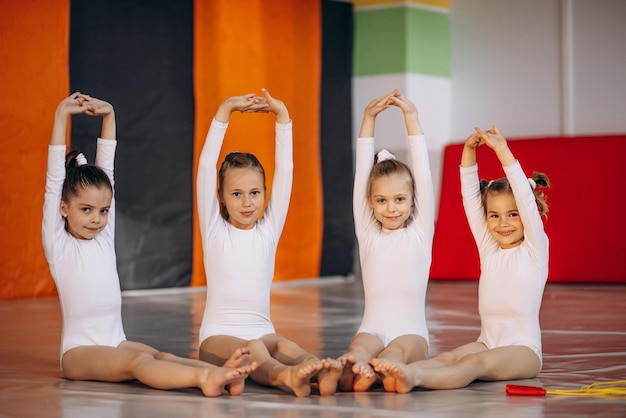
(502, 185)
(236, 160)
(80, 177)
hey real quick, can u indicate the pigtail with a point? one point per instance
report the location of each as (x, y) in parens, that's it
(483, 186)
(541, 181)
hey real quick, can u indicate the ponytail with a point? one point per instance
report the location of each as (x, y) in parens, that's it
(79, 174)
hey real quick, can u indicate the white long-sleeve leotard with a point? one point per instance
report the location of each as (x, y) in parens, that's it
(239, 263)
(395, 264)
(84, 271)
(512, 280)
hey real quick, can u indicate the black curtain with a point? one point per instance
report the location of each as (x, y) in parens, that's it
(336, 138)
(138, 55)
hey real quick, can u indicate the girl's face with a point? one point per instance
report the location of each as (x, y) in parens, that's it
(87, 212)
(503, 219)
(391, 199)
(244, 195)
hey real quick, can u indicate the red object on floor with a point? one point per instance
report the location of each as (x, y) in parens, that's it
(518, 390)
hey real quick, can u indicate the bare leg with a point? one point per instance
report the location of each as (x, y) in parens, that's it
(293, 378)
(240, 358)
(405, 349)
(292, 367)
(358, 375)
(502, 363)
(291, 354)
(117, 364)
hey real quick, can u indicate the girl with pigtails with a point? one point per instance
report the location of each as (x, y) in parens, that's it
(505, 218)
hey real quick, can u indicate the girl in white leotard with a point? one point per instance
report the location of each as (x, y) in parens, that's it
(79, 246)
(394, 222)
(505, 219)
(239, 251)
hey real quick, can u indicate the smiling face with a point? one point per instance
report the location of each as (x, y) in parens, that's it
(243, 194)
(503, 219)
(391, 199)
(87, 212)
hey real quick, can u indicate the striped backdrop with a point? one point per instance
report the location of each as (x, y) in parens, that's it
(166, 66)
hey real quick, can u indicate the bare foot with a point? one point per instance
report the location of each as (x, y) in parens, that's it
(394, 372)
(298, 377)
(347, 377)
(214, 380)
(328, 376)
(239, 359)
(364, 377)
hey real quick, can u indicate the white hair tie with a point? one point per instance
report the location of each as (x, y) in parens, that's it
(80, 159)
(384, 155)
(532, 182)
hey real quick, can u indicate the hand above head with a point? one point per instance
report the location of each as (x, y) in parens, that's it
(468, 157)
(473, 141)
(94, 107)
(491, 137)
(379, 104)
(372, 110)
(70, 106)
(406, 105)
(248, 103)
(79, 103)
(410, 112)
(276, 106)
(496, 141)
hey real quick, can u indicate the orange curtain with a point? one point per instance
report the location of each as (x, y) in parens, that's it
(33, 79)
(241, 47)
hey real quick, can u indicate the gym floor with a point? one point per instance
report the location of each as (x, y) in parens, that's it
(584, 341)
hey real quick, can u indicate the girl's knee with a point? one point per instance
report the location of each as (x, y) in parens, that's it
(447, 358)
(165, 356)
(256, 345)
(393, 350)
(473, 360)
(140, 357)
(286, 345)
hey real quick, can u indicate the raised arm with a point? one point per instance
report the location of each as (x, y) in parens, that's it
(468, 157)
(276, 106)
(420, 166)
(71, 105)
(372, 110)
(409, 110)
(278, 206)
(97, 107)
(494, 140)
(247, 103)
(365, 159)
(470, 191)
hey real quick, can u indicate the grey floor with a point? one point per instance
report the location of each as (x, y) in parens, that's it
(584, 337)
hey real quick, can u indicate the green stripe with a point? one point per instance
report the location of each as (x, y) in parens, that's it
(401, 40)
